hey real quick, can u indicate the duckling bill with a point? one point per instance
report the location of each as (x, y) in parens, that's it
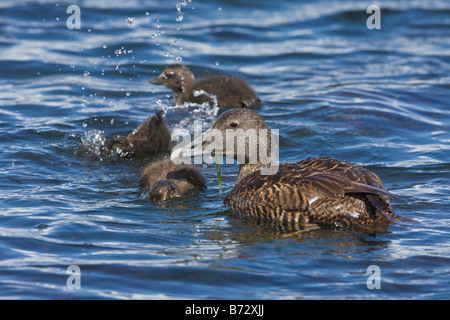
(314, 190)
(230, 92)
(165, 179)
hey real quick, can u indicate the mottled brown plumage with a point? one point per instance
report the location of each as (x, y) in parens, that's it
(166, 179)
(314, 190)
(149, 138)
(230, 92)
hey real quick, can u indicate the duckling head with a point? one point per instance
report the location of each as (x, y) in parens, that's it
(175, 77)
(161, 190)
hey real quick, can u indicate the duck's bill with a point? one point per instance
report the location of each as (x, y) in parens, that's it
(157, 80)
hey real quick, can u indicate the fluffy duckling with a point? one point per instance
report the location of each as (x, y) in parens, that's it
(230, 92)
(165, 179)
(150, 137)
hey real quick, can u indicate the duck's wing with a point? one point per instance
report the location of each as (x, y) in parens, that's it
(347, 169)
(296, 186)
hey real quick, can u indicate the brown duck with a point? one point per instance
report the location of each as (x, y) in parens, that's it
(230, 92)
(315, 190)
(165, 179)
(149, 138)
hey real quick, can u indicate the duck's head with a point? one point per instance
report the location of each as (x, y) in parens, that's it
(239, 134)
(161, 190)
(175, 77)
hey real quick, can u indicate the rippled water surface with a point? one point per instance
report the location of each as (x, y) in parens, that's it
(332, 87)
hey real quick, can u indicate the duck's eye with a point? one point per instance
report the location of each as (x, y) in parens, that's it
(233, 124)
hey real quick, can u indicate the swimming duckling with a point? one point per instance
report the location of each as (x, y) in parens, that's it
(166, 179)
(315, 190)
(149, 137)
(230, 92)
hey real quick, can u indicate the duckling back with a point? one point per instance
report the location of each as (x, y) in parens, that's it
(231, 92)
(150, 137)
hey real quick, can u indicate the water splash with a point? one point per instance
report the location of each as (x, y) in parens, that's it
(181, 13)
(93, 141)
(198, 117)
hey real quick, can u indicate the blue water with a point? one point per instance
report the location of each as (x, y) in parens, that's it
(331, 86)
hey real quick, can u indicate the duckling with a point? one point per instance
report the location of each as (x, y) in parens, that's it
(165, 179)
(230, 92)
(149, 137)
(314, 190)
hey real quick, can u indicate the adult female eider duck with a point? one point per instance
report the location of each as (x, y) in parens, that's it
(230, 92)
(149, 138)
(166, 179)
(315, 190)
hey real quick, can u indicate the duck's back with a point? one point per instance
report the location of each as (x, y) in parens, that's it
(314, 190)
(231, 92)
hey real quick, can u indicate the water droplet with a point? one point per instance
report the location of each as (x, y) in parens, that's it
(178, 59)
(86, 73)
(147, 13)
(105, 46)
(128, 94)
(217, 63)
(180, 13)
(130, 21)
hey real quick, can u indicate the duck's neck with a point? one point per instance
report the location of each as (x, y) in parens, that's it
(247, 169)
(178, 98)
(262, 165)
(183, 94)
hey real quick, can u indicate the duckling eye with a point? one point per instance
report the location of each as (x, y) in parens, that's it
(233, 124)
(168, 76)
